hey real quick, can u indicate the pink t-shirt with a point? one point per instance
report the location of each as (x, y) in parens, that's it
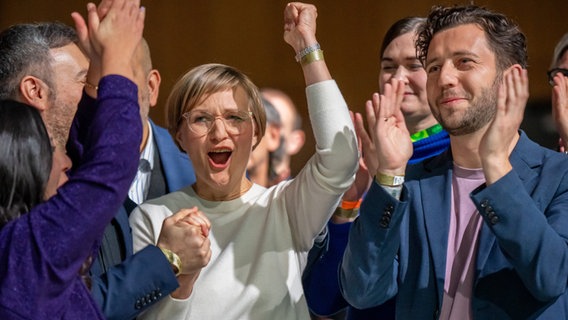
(465, 223)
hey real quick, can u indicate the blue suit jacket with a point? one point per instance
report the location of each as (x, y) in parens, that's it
(143, 278)
(399, 247)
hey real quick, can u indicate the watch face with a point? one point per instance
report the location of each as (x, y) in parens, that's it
(389, 181)
(397, 180)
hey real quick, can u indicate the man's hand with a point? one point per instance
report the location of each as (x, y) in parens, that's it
(501, 136)
(560, 108)
(111, 34)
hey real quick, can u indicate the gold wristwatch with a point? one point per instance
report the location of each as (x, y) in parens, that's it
(173, 259)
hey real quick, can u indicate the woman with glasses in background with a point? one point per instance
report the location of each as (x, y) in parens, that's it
(258, 237)
(558, 79)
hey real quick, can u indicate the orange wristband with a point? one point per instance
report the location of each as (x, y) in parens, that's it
(347, 205)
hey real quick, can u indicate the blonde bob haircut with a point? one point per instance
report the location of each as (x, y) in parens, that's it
(200, 82)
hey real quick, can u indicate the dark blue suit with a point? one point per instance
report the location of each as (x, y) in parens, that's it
(399, 247)
(125, 288)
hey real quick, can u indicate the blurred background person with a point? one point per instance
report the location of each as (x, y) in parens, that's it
(261, 165)
(293, 135)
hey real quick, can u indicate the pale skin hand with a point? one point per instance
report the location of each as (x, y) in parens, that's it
(367, 162)
(112, 39)
(300, 25)
(391, 138)
(186, 233)
(83, 31)
(368, 151)
(94, 73)
(502, 134)
(560, 108)
(300, 33)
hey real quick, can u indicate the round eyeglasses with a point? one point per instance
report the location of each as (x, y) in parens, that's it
(552, 72)
(201, 122)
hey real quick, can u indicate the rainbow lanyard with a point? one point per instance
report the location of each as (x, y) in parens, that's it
(426, 133)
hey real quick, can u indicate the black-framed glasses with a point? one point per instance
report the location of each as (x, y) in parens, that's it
(201, 122)
(552, 72)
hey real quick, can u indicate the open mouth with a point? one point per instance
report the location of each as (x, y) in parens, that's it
(219, 158)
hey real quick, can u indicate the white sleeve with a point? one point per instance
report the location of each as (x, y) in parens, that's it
(336, 141)
(313, 195)
(146, 223)
(168, 309)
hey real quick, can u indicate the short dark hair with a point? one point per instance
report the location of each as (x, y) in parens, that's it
(503, 35)
(25, 160)
(399, 28)
(24, 50)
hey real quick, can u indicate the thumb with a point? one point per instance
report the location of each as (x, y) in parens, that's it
(80, 26)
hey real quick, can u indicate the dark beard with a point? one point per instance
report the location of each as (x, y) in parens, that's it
(480, 113)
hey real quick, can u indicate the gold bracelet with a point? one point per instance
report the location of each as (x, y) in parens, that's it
(313, 56)
(389, 181)
(305, 51)
(173, 259)
(346, 213)
(91, 86)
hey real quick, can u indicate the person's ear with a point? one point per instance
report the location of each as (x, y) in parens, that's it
(34, 92)
(510, 69)
(295, 141)
(272, 137)
(256, 136)
(154, 80)
(179, 140)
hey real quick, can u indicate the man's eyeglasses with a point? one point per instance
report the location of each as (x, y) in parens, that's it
(201, 122)
(552, 72)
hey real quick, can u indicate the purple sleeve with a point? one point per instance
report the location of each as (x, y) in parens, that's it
(43, 250)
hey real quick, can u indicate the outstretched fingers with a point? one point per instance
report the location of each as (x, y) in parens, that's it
(512, 98)
(560, 108)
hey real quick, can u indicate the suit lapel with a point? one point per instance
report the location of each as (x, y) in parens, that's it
(177, 167)
(122, 220)
(436, 193)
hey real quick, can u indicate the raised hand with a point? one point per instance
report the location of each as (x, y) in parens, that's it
(367, 145)
(300, 34)
(83, 30)
(300, 25)
(362, 177)
(502, 134)
(111, 34)
(393, 147)
(560, 108)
